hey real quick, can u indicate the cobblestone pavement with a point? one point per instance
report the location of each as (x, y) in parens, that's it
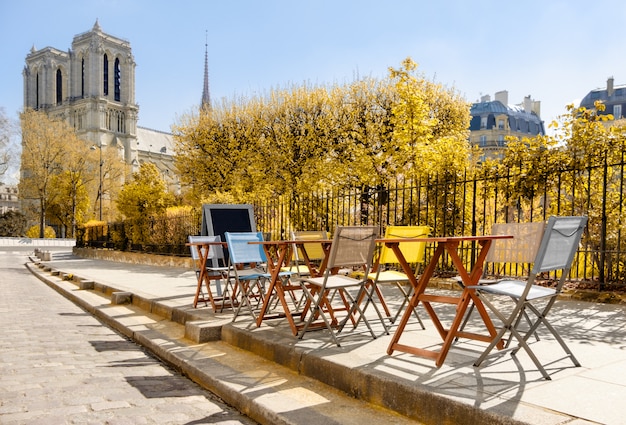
(60, 365)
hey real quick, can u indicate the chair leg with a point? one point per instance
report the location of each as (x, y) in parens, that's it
(354, 308)
(541, 318)
(316, 298)
(369, 294)
(247, 287)
(407, 296)
(508, 326)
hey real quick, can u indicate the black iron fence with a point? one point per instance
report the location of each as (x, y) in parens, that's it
(448, 204)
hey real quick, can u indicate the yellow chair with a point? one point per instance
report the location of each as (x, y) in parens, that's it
(387, 267)
(314, 254)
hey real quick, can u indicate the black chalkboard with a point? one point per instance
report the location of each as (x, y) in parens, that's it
(220, 218)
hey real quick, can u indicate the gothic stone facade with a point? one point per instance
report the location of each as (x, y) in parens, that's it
(92, 86)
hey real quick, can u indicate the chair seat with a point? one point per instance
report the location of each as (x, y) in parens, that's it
(482, 281)
(302, 270)
(389, 276)
(515, 288)
(335, 281)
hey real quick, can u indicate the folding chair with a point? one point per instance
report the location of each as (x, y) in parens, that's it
(352, 246)
(245, 261)
(509, 257)
(556, 253)
(215, 273)
(387, 265)
(311, 255)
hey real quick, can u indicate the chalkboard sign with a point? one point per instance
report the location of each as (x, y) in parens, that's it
(220, 218)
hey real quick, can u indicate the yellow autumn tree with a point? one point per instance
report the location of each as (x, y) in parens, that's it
(430, 124)
(45, 144)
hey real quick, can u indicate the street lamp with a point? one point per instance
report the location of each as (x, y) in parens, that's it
(99, 147)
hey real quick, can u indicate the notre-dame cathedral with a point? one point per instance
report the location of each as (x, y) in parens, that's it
(92, 86)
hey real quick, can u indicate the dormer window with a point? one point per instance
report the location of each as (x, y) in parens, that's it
(617, 112)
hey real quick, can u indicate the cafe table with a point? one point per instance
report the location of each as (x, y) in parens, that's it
(449, 245)
(278, 254)
(204, 248)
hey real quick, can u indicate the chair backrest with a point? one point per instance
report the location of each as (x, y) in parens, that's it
(522, 248)
(215, 251)
(353, 246)
(559, 244)
(242, 252)
(413, 251)
(314, 251)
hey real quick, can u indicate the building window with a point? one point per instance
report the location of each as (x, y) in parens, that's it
(59, 87)
(617, 112)
(105, 75)
(118, 78)
(501, 140)
(82, 78)
(483, 122)
(501, 124)
(483, 141)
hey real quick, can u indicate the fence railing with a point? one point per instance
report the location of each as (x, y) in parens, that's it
(450, 206)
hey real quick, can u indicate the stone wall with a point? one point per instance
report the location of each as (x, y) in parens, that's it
(134, 257)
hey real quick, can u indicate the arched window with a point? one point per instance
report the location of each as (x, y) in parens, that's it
(37, 92)
(59, 87)
(118, 77)
(82, 78)
(106, 75)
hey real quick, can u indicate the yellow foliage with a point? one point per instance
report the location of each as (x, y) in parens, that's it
(48, 232)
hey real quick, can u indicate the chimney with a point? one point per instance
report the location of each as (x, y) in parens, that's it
(528, 104)
(609, 86)
(536, 108)
(485, 98)
(502, 97)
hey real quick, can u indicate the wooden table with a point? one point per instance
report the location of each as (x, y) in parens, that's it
(469, 278)
(203, 277)
(278, 254)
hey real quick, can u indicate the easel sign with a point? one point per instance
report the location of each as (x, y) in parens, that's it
(220, 218)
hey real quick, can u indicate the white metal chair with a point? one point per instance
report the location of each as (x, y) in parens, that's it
(216, 273)
(556, 253)
(352, 246)
(509, 257)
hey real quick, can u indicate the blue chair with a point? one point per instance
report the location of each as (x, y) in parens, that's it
(248, 269)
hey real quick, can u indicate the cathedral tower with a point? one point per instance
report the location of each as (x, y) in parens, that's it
(92, 86)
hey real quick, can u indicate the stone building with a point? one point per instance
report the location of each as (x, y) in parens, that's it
(92, 86)
(9, 200)
(614, 99)
(492, 121)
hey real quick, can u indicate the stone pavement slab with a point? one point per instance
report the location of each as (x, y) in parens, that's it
(59, 365)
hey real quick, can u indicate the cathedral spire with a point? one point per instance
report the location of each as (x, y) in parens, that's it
(206, 96)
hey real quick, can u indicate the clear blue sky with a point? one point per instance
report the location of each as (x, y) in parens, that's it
(554, 51)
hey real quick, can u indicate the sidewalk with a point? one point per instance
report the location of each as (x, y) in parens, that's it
(504, 390)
